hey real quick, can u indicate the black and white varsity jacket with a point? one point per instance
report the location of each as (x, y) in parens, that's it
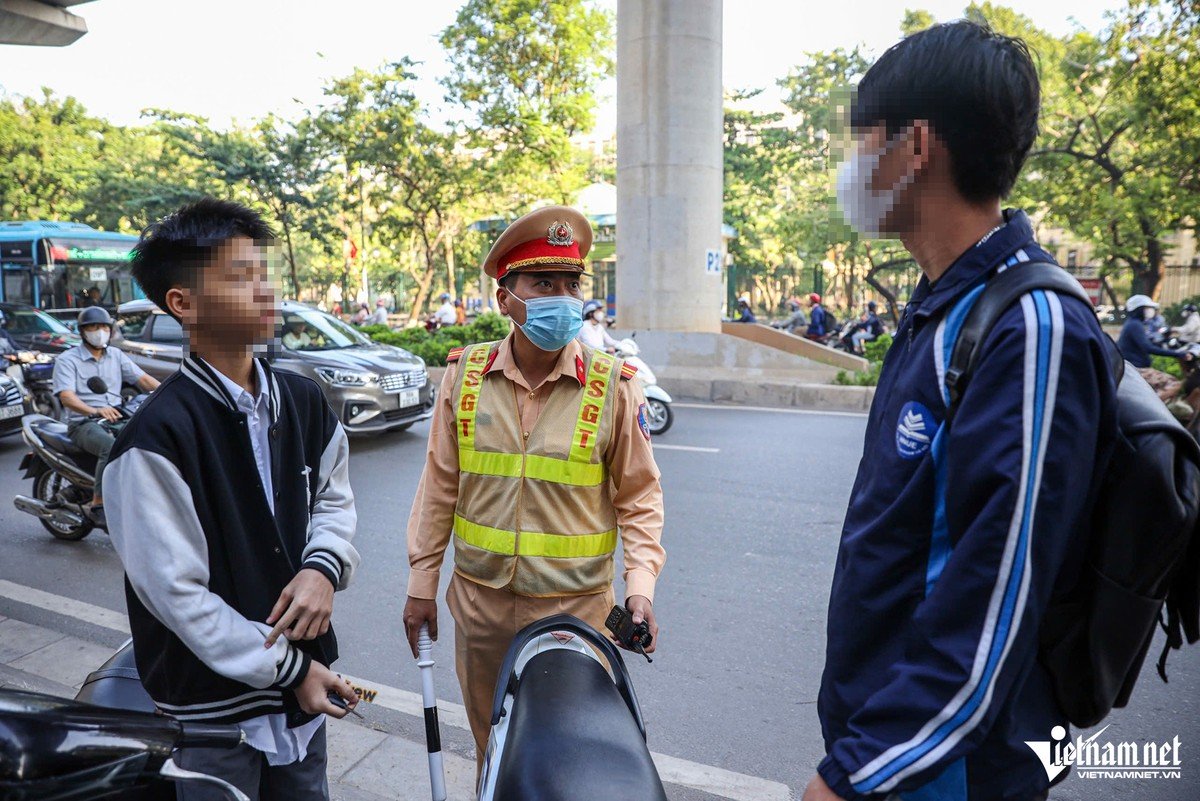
(205, 559)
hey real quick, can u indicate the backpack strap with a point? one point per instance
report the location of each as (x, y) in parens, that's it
(1000, 292)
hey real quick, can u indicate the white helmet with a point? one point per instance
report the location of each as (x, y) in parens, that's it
(1136, 302)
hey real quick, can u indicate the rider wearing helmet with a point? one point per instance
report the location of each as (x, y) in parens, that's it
(1134, 341)
(816, 315)
(93, 417)
(745, 312)
(594, 333)
(1190, 330)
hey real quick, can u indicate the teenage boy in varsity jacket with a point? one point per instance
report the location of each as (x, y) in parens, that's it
(229, 502)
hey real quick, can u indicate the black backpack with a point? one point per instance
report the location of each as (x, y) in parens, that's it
(1143, 553)
(831, 323)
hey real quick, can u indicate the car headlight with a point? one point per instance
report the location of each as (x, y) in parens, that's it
(346, 378)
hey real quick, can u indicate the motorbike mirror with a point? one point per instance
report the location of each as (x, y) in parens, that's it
(97, 384)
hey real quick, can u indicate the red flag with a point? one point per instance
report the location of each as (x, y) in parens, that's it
(353, 249)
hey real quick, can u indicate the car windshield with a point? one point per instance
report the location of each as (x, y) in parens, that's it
(31, 321)
(310, 329)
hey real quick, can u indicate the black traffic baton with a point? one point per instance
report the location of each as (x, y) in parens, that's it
(433, 733)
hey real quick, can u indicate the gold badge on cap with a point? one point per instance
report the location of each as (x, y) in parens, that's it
(560, 233)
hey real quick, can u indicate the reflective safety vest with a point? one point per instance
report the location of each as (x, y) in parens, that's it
(534, 513)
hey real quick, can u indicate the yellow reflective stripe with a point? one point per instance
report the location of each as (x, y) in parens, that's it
(559, 546)
(563, 471)
(473, 362)
(491, 539)
(486, 463)
(543, 468)
(591, 406)
(563, 546)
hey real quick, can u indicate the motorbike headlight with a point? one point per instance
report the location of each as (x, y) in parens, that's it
(347, 378)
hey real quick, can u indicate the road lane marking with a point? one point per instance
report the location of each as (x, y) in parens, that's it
(729, 408)
(707, 778)
(691, 448)
(69, 607)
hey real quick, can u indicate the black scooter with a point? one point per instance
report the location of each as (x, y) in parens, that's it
(108, 742)
(63, 474)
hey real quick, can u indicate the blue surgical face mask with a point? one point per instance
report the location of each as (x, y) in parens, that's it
(551, 323)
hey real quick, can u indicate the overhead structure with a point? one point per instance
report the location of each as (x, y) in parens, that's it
(669, 165)
(45, 23)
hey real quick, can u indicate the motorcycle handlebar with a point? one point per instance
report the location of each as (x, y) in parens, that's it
(209, 735)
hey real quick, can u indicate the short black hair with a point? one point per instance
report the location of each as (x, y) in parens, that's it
(172, 251)
(978, 89)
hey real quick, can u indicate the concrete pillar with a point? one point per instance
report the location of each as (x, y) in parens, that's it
(39, 22)
(669, 164)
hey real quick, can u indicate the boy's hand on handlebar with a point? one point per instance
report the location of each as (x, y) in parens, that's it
(418, 611)
(318, 683)
(642, 610)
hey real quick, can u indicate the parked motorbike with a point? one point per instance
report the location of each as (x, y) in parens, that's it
(108, 742)
(63, 474)
(659, 415)
(563, 726)
(34, 373)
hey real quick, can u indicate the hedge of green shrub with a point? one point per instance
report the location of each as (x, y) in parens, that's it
(433, 348)
(874, 353)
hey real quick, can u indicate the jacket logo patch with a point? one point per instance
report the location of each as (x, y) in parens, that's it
(914, 431)
(643, 423)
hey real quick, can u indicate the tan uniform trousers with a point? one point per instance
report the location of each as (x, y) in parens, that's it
(485, 622)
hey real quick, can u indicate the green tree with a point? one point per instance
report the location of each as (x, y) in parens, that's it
(526, 71)
(47, 147)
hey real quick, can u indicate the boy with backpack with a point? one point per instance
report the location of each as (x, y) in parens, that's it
(957, 536)
(229, 503)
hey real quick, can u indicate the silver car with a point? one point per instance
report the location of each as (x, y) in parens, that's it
(370, 386)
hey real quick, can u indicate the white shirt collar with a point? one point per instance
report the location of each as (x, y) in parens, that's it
(240, 394)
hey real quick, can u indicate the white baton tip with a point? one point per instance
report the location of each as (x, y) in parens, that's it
(424, 643)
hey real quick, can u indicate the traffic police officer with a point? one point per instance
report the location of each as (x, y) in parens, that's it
(539, 456)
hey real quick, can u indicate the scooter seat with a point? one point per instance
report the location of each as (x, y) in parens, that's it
(116, 684)
(571, 736)
(55, 435)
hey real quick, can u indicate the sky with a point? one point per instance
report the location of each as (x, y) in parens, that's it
(237, 60)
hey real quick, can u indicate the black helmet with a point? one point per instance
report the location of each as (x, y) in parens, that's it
(871, 306)
(93, 315)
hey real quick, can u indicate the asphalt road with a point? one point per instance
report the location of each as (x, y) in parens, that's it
(754, 505)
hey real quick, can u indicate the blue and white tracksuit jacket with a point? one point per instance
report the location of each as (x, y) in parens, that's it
(955, 538)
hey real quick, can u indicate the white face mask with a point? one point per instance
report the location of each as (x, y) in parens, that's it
(97, 338)
(866, 209)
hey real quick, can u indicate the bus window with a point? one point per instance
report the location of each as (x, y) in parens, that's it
(16, 287)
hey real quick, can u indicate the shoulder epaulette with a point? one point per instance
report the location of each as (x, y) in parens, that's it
(628, 371)
(454, 355)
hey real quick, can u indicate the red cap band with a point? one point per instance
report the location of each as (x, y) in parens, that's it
(538, 251)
